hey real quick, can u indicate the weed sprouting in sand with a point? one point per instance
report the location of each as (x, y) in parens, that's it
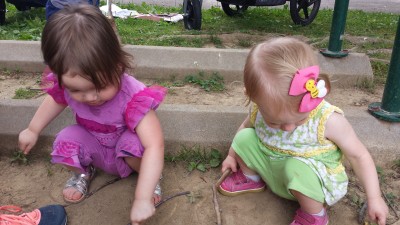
(197, 158)
(213, 82)
(20, 158)
(25, 93)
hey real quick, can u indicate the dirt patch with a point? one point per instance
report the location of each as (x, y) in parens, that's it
(233, 94)
(40, 183)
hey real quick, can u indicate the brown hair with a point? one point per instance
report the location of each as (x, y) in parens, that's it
(270, 67)
(80, 39)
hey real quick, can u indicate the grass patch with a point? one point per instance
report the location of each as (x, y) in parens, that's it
(196, 158)
(19, 157)
(171, 82)
(366, 84)
(209, 83)
(381, 70)
(213, 82)
(25, 93)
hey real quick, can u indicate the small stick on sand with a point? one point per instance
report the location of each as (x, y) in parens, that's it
(215, 200)
(223, 177)
(171, 197)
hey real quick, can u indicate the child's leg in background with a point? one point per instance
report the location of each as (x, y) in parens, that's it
(130, 150)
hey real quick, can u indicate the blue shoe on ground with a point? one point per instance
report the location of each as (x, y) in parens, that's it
(53, 215)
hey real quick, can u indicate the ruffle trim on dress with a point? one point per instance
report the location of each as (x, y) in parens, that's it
(67, 153)
(142, 102)
(49, 84)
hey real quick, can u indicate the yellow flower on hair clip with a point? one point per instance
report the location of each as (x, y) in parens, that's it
(316, 91)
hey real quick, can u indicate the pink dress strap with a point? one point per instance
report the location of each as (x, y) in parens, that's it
(142, 102)
(50, 85)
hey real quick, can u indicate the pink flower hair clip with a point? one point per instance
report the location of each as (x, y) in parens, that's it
(305, 81)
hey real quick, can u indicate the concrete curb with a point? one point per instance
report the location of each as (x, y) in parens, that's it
(163, 62)
(206, 126)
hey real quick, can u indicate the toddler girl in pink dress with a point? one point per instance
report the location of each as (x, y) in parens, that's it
(117, 129)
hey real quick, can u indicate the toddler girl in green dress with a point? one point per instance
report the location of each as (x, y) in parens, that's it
(294, 140)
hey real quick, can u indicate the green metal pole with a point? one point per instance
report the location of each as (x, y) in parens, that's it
(389, 109)
(337, 30)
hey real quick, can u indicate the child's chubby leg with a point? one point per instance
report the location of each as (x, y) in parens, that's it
(311, 212)
(307, 204)
(71, 150)
(246, 153)
(302, 184)
(130, 149)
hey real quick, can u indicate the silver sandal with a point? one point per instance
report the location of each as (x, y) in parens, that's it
(158, 190)
(81, 183)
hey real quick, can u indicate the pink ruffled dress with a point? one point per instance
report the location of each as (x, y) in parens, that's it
(104, 134)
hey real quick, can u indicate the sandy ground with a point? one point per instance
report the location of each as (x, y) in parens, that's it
(39, 183)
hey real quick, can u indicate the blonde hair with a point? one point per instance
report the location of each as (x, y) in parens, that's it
(270, 67)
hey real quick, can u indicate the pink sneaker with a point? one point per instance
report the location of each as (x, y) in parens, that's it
(302, 218)
(237, 183)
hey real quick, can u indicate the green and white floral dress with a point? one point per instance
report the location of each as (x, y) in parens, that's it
(308, 144)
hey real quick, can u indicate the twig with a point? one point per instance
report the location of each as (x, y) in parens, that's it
(223, 177)
(171, 197)
(40, 94)
(216, 205)
(215, 200)
(361, 214)
(99, 188)
(390, 205)
(102, 186)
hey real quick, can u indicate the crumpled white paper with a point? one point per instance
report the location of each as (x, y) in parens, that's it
(118, 12)
(125, 13)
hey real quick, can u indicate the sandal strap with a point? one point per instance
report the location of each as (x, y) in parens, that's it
(158, 190)
(81, 181)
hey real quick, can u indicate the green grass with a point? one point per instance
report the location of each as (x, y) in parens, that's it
(364, 31)
(256, 20)
(213, 82)
(25, 93)
(196, 158)
(19, 157)
(208, 82)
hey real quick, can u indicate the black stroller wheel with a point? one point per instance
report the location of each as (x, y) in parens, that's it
(233, 10)
(192, 14)
(303, 12)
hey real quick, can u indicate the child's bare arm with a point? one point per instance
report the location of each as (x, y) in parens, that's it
(339, 130)
(47, 111)
(151, 136)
